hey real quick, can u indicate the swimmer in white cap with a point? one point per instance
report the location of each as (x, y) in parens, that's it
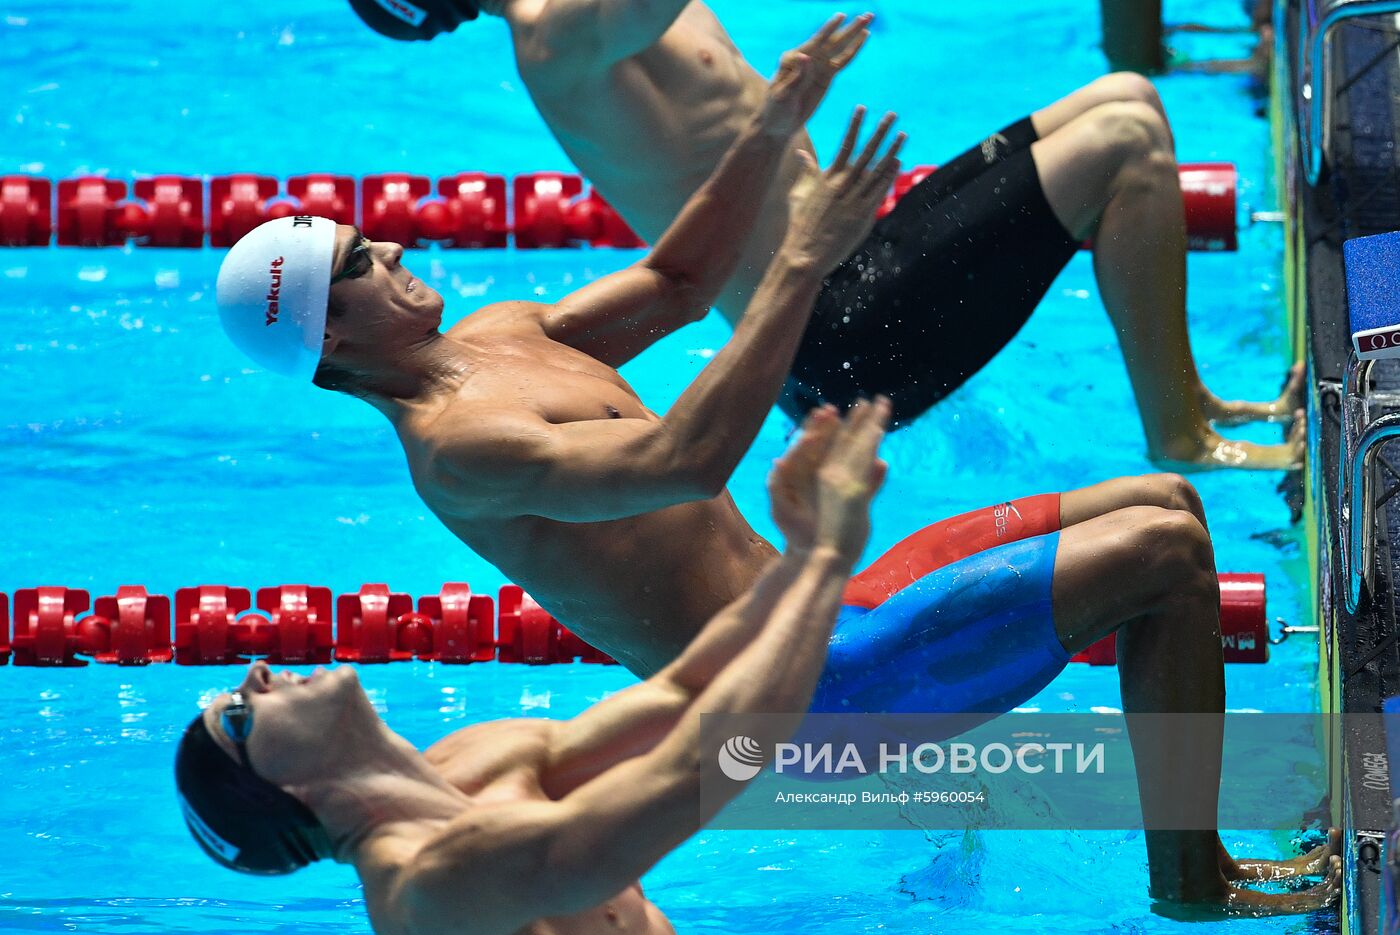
(272, 293)
(525, 441)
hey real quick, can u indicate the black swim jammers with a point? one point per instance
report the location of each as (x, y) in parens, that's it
(943, 283)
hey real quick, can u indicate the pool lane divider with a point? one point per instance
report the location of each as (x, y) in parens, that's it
(468, 211)
(297, 624)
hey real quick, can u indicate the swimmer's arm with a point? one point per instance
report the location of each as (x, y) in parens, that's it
(507, 865)
(603, 469)
(619, 316)
(558, 40)
(516, 464)
(632, 721)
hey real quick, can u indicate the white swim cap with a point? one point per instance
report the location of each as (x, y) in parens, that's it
(272, 293)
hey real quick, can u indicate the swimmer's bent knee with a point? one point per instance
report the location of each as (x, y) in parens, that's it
(1131, 86)
(1173, 492)
(1174, 550)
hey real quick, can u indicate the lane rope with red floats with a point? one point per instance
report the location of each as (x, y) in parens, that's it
(468, 210)
(298, 624)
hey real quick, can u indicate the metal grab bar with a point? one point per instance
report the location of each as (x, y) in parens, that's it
(1357, 510)
(1312, 51)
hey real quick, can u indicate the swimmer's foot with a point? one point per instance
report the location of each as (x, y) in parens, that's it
(1241, 901)
(1213, 451)
(1236, 900)
(1312, 863)
(1240, 413)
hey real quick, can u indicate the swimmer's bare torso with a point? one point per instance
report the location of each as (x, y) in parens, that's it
(649, 129)
(639, 587)
(525, 441)
(500, 763)
(545, 826)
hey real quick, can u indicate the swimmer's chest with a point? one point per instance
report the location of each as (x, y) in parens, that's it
(664, 115)
(560, 383)
(695, 58)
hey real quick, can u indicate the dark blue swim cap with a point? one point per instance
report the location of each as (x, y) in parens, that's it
(414, 19)
(240, 819)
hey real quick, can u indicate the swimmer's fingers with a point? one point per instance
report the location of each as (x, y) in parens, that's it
(872, 146)
(850, 40)
(848, 143)
(819, 431)
(792, 71)
(842, 59)
(883, 175)
(876, 478)
(864, 430)
(842, 451)
(823, 35)
(792, 484)
(807, 454)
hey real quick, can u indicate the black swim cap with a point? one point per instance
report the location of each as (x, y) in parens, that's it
(415, 19)
(240, 819)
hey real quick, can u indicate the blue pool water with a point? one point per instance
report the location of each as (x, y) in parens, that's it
(140, 450)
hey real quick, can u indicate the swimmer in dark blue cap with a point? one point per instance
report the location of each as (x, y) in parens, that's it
(415, 19)
(523, 438)
(646, 96)
(541, 826)
(500, 825)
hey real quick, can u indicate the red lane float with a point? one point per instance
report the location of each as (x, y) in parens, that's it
(376, 625)
(528, 634)
(298, 627)
(205, 624)
(1244, 628)
(45, 629)
(26, 215)
(237, 204)
(327, 196)
(302, 625)
(131, 628)
(550, 213)
(173, 213)
(87, 212)
(388, 206)
(551, 209)
(1209, 192)
(470, 212)
(463, 625)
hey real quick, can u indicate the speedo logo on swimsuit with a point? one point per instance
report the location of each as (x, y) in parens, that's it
(1001, 515)
(410, 14)
(274, 290)
(992, 146)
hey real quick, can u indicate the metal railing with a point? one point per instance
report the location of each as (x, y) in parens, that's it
(1314, 77)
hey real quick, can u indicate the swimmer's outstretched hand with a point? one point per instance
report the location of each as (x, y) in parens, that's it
(822, 488)
(805, 73)
(834, 211)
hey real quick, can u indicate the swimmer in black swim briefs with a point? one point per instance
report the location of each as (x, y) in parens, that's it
(645, 97)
